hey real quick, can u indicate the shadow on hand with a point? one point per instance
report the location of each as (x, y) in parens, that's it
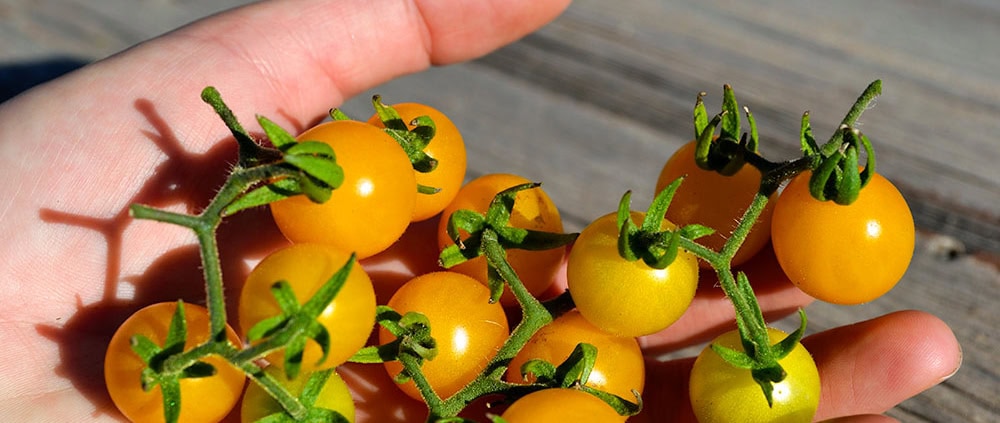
(185, 179)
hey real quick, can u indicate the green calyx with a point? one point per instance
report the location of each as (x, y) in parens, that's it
(574, 372)
(297, 323)
(655, 246)
(835, 164)
(163, 369)
(495, 223)
(724, 154)
(837, 178)
(413, 141)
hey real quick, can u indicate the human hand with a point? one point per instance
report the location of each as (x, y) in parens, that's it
(131, 129)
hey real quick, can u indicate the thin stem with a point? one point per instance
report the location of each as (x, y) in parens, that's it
(412, 365)
(534, 317)
(214, 294)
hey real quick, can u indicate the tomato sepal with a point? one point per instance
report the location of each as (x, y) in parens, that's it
(157, 373)
(657, 248)
(297, 323)
(497, 220)
(413, 141)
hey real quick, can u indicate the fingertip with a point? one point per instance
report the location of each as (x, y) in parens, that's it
(872, 366)
(486, 25)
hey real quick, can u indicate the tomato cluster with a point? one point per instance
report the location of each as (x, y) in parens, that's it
(454, 324)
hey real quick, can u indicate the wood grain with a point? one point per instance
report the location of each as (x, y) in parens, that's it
(595, 102)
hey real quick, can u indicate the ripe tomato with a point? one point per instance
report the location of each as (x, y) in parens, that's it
(467, 328)
(257, 403)
(123, 369)
(619, 367)
(349, 318)
(560, 405)
(715, 201)
(723, 393)
(843, 254)
(627, 298)
(447, 147)
(533, 209)
(372, 207)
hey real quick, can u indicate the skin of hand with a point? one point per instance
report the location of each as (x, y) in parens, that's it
(79, 150)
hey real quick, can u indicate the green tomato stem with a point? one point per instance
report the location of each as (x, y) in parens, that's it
(534, 317)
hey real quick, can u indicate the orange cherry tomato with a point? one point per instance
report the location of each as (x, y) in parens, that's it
(716, 201)
(123, 369)
(843, 254)
(468, 329)
(447, 147)
(619, 368)
(372, 207)
(349, 318)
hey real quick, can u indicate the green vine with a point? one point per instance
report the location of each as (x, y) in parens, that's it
(264, 175)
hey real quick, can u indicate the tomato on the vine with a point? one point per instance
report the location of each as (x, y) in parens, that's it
(373, 205)
(843, 254)
(627, 298)
(334, 395)
(560, 405)
(533, 209)
(447, 147)
(348, 319)
(721, 392)
(123, 369)
(717, 201)
(467, 328)
(619, 368)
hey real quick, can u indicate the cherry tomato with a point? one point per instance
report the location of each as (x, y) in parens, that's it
(627, 298)
(560, 405)
(372, 207)
(334, 395)
(619, 367)
(447, 147)
(123, 369)
(843, 254)
(715, 201)
(533, 209)
(467, 328)
(721, 392)
(349, 318)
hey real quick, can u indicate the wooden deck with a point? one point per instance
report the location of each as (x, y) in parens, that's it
(594, 103)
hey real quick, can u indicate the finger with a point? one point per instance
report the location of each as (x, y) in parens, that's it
(872, 366)
(288, 60)
(865, 369)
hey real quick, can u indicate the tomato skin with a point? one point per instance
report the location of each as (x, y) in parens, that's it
(123, 369)
(627, 298)
(723, 393)
(467, 328)
(843, 254)
(715, 201)
(619, 367)
(335, 395)
(372, 207)
(533, 209)
(447, 147)
(349, 318)
(560, 405)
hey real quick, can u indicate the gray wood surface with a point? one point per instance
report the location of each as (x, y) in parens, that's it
(594, 103)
